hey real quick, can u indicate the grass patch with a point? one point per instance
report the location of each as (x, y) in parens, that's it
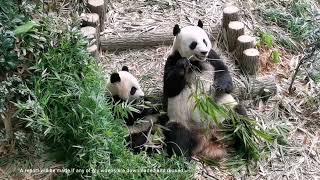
(295, 17)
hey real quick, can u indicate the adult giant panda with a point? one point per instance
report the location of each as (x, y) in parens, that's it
(124, 87)
(192, 60)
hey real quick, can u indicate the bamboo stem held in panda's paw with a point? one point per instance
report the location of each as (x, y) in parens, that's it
(250, 61)
(235, 29)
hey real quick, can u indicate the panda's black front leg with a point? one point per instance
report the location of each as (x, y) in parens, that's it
(222, 77)
(174, 76)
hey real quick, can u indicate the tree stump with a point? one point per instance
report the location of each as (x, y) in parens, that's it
(230, 13)
(235, 29)
(91, 34)
(90, 19)
(249, 63)
(94, 51)
(98, 6)
(243, 42)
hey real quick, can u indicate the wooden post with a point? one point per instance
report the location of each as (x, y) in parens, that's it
(91, 34)
(243, 42)
(235, 29)
(90, 19)
(93, 50)
(98, 6)
(230, 13)
(249, 63)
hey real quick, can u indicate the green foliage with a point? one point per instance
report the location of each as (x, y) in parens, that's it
(25, 28)
(69, 107)
(236, 127)
(63, 99)
(266, 39)
(275, 56)
(295, 17)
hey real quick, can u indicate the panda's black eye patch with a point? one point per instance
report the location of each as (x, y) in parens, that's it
(133, 90)
(205, 42)
(193, 45)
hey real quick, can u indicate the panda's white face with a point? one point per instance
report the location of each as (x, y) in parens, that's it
(124, 85)
(192, 42)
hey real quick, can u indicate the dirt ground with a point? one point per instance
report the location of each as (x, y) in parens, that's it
(300, 159)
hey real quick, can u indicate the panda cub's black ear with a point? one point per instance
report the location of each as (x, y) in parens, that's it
(115, 78)
(125, 68)
(176, 30)
(200, 24)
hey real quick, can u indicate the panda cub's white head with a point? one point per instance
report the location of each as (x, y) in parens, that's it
(124, 85)
(191, 42)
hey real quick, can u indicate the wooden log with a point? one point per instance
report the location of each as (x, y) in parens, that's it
(256, 87)
(98, 6)
(230, 13)
(249, 63)
(133, 41)
(91, 34)
(235, 29)
(90, 19)
(243, 42)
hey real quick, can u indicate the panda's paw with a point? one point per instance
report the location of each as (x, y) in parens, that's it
(224, 85)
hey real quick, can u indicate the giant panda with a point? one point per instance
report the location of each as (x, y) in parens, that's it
(192, 60)
(124, 87)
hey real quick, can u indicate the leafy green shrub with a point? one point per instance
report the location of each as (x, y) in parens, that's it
(64, 99)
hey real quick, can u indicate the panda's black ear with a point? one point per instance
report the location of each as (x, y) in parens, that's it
(176, 30)
(125, 68)
(200, 24)
(115, 78)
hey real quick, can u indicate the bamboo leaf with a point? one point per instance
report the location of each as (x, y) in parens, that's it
(25, 28)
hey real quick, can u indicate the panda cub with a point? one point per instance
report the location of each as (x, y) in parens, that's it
(192, 61)
(124, 87)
